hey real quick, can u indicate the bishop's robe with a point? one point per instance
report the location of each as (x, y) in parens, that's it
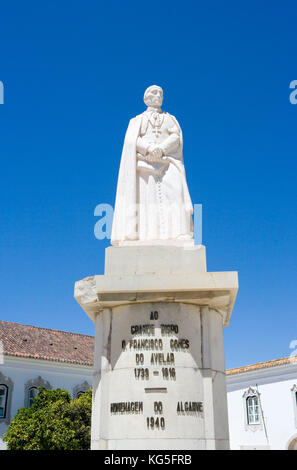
(152, 200)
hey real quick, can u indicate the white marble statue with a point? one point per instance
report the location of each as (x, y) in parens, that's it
(153, 205)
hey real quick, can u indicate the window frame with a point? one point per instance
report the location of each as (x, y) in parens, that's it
(252, 410)
(252, 426)
(34, 383)
(8, 383)
(6, 400)
(80, 389)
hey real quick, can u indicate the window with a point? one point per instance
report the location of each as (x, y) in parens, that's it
(6, 389)
(253, 414)
(81, 389)
(3, 400)
(252, 409)
(33, 392)
(31, 389)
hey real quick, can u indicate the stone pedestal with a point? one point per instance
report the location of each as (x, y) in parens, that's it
(159, 369)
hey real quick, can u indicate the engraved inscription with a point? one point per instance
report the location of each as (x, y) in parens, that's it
(179, 344)
(127, 407)
(154, 368)
(168, 373)
(143, 329)
(145, 344)
(189, 407)
(158, 407)
(162, 359)
(154, 315)
(169, 329)
(141, 373)
(155, 423)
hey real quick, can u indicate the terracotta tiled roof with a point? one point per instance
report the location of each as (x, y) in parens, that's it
(42, 343)
(262, 365)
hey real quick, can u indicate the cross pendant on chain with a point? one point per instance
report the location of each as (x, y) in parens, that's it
(157, 131)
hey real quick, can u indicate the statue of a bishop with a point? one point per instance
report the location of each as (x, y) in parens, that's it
(153, 205)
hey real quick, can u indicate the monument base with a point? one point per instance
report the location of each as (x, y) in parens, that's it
(164, 444)
(159, 372)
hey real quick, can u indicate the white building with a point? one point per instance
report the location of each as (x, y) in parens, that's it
(262, 405)
(262, 398)
(34, 357)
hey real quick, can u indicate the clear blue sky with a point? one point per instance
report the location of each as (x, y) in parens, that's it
(74, 73)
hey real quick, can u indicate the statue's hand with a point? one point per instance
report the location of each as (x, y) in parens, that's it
(155, 154)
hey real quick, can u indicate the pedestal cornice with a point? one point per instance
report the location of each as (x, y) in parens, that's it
(216, 290)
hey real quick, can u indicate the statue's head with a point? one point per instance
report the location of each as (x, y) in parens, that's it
(153, 96)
